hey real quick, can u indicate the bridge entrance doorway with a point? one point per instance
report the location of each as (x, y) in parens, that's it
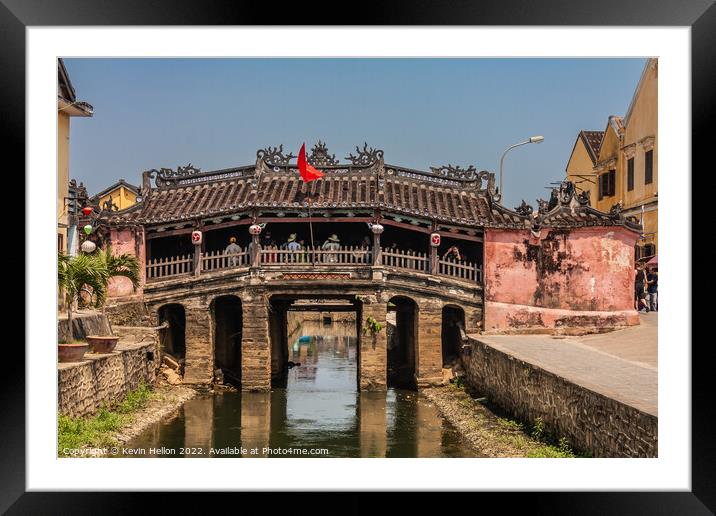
(314, 344)
(172, 338)
(228, 325)
(401, 343)
(453, 324)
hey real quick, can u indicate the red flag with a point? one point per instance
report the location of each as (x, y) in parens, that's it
(308, 173)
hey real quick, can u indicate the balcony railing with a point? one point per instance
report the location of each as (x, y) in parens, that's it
(313, 257)
(349, 255)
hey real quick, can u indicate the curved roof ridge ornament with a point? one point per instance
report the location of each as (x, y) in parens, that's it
(365, 157)
(320, 157)
(456, 172)
(274, 156)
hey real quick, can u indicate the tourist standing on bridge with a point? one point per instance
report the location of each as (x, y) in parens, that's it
(332, 244)
(232, 250)
(453, 253)
(294, 248)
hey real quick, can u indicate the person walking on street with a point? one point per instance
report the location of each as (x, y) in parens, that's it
(652, 289)
(640, 289)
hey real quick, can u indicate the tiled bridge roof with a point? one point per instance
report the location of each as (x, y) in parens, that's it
(448, 194)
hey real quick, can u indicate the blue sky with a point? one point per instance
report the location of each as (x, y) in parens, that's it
(215, 113)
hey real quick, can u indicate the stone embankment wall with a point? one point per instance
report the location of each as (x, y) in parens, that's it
(105, 379)
(589, 421)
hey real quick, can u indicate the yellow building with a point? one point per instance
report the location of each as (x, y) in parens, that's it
(626, 165)
(121, 195)
(67, 107)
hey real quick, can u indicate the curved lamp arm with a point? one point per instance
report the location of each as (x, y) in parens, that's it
(533, 139)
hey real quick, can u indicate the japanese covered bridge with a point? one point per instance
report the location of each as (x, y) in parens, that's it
(563, 266)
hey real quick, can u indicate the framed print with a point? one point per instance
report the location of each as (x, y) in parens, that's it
(427, 242)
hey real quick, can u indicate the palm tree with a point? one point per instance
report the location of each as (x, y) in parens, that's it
(91, 273)
(78, 273)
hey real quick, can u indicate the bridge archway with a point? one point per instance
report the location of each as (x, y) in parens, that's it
(403, 342)
(173, 339)
(453, 320)
(228, 326)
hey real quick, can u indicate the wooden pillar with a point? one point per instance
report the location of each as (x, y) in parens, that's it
(255, 342)
(373, 353)
(197, 260)
(430, 355)
(433, 260)
(377, 251)
(255, 251)
(199, 357)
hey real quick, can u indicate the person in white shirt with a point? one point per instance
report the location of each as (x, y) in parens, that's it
(232, 250)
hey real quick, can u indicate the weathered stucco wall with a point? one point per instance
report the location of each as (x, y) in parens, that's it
(127, 241)
(563, 278)
(588, 420)
(99, 380)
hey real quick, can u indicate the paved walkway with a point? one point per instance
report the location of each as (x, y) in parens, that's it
(621, 364)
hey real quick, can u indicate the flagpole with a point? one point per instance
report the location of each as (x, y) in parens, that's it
(310, 225)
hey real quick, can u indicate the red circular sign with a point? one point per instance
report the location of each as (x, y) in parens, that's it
(435, 239)
(196, 237)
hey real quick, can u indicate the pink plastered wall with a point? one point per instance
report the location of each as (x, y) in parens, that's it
(559, 272)
(127, 241)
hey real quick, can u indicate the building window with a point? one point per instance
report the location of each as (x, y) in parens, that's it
(630, 174)
(649, 167)
(606, 184)
(60, 243)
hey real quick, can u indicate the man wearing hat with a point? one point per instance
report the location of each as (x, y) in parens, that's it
(232, 250)
(332, 244)
(293, 247)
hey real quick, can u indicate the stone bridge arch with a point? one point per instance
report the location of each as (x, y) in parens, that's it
(227, 319)
(452, 329)
(402, 343)
(173, 337)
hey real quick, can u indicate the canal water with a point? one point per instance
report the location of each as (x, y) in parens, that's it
(320, 413)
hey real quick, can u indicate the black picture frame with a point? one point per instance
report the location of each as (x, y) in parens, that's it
(700, 15)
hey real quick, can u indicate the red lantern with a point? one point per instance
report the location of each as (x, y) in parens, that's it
(87, 210)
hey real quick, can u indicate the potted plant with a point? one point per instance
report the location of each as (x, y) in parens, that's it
(90, 273)
(75, 274)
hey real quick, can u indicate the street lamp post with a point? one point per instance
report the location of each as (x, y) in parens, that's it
(533, 139)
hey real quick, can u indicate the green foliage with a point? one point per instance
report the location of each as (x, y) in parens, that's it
(371, 325)
(83, 272)
(96, 431)
(538, 429)
(91, 273)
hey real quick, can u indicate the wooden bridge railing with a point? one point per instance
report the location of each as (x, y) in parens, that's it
(459, 269)
(406, 260)
(217, 260)
(391, 258)
(175, 266)
(347, 255)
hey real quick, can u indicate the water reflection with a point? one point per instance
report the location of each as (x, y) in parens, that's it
(320, 408)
